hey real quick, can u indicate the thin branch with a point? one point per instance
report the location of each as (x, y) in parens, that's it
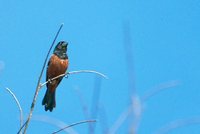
(74, 72)
(95, 103)
(128, 47)
(159, 88)
(138, 106)
(55, 122)
(137, 110)
(83, 102)
(74, 124)
(129, 57)
(177, 124)
(124, 115)
(18, 105)
(103, 119)
(88, 71)
(40, 77)
(22, 127)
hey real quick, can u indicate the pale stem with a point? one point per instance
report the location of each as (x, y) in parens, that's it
(74, 124)
(18, 105)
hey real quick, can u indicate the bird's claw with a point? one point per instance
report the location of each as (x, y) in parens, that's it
(50, 81)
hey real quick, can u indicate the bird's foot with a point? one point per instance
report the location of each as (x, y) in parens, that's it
(49, 80)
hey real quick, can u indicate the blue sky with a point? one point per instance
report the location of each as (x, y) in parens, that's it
(164, 40)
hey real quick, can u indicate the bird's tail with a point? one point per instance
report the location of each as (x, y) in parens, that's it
(49, 101)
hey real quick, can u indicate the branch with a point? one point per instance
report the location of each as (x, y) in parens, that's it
(40, 77)
(128, 47)
(159, 88)
(19, 132)
(177, 124)
(74, 72)
(83, 102)
(18, 105)
(74, 124)
(103, 119)
(121, 119)
(136, 109)
(55, 122)
(88, 71)
(95, 103)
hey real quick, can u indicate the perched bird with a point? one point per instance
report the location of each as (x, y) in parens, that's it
(57, 65)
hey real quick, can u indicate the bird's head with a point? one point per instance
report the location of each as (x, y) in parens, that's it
(61, 50)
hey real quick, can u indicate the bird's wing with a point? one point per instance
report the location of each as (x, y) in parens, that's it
(47, 77)
(50, 77)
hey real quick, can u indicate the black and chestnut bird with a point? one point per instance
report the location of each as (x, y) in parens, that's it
(57, 65)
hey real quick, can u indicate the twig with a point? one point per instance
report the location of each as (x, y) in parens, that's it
(38, 84)
(22, 127)
(130, 66)
(129, 57)
(137, 110)
(120, 120)
(74, 124)
(55, 122)
(88, 71)
(95, 103)
(18, 105)
(74, 72)
(103, 119)
(159, 88)
(177, 124)
(83, 103)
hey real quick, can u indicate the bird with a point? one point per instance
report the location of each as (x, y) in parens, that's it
(57, 65)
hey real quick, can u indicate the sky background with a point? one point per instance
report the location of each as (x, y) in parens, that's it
(162, 44)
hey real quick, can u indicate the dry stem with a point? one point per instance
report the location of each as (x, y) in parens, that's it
(18, 105)
(74, 72)
(74, 124)
(38, 84)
